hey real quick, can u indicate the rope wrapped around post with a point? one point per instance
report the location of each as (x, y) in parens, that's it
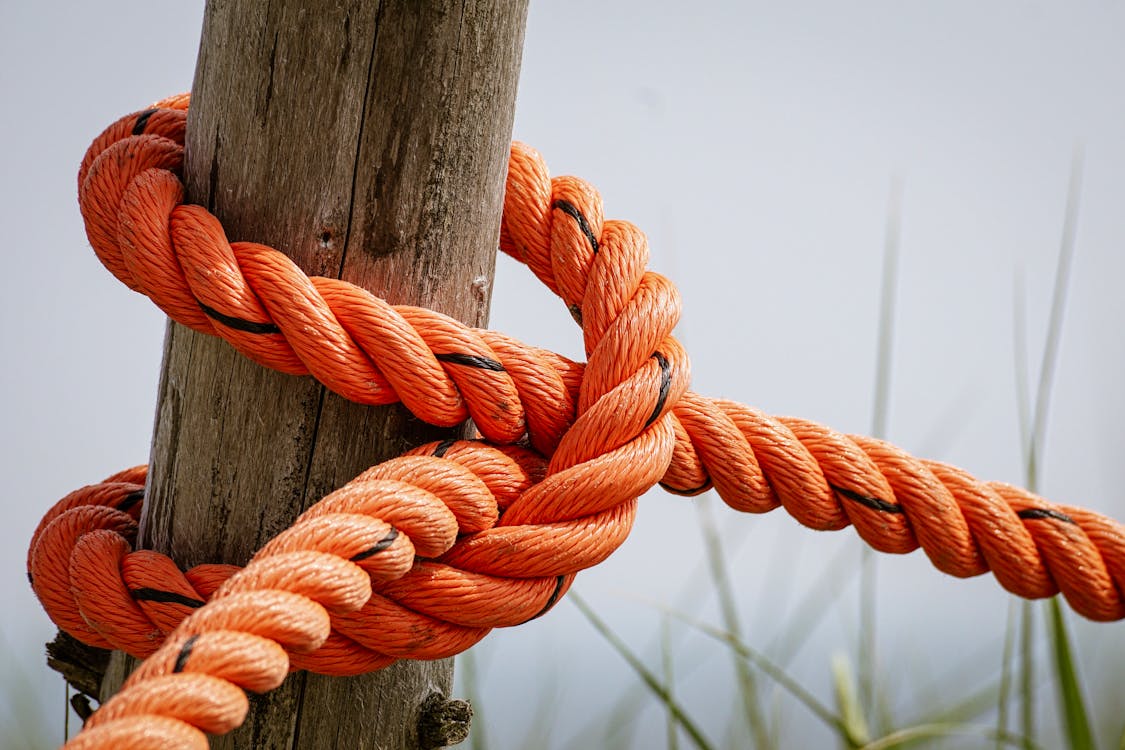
(420, 556)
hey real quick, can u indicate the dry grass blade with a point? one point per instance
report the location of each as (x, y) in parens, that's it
(1078, 733)
(1075, 715)
(866, 659)
(666, 664)
(747, 686)
(469, 675)
(847, 699)
(658, 688)
(768, 667)
(901, 737)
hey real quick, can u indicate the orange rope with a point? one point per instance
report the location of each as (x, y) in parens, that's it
(420, 556)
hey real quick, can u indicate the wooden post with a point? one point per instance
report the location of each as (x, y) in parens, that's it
(368, 141)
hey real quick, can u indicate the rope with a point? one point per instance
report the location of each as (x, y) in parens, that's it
(420, 556)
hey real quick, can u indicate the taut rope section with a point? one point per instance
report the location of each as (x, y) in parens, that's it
(420, 556)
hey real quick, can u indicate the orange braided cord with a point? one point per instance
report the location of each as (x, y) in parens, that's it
(375, 353)
(611, 429)
(96, 588)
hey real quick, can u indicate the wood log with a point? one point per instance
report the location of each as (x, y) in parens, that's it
(368, 141)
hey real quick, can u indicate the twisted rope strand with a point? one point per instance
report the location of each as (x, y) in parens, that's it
(443, 371)
(420, 556)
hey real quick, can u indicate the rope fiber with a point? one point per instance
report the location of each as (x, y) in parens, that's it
(420, 556)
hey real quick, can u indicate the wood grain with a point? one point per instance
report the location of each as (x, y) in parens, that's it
(368, 141)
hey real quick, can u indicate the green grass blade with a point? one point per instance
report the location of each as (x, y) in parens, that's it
(1033, 437)
(1026, 665)
(545, 719)
(659, 689)
(775, 714)
(848, 700)
(1019, 350)
(469, 674)
(29, 723)
(1004, 693)
(691, 595)
(964, 709)
(720, 579)
(774, 672)
(1054, 324)
(666, 662)
(1027, 675)
(1078, 734)
(1075, 714)
(816, 602)
(885, 349)
(865, 650)
(866, 656)
(631, 700)
(909, 735)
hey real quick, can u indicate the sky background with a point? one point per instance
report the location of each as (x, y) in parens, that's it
(757, 145)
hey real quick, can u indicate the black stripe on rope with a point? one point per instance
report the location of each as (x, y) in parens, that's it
(130, 500)
(871, 502)
(142, 121)
(381, 545)
(552, 601)
(442, 447)
(164, 597)
(688, 492)
(665, 386)
(471, 360)
(238, 324)
(569, 208)
(185, 654)
(1039, 513)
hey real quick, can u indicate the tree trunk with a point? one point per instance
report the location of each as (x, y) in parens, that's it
(368, 141)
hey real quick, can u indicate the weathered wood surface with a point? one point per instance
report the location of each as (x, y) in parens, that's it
(368, 141)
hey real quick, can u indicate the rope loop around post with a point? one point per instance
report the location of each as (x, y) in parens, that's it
(419, 557)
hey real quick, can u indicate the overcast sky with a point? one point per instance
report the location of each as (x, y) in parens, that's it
(757, 144)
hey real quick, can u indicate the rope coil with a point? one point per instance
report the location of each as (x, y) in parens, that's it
(419, 557)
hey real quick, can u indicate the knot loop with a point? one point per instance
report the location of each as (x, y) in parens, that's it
(419, 557)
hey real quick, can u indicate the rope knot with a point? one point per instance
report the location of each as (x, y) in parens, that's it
(419, 557)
